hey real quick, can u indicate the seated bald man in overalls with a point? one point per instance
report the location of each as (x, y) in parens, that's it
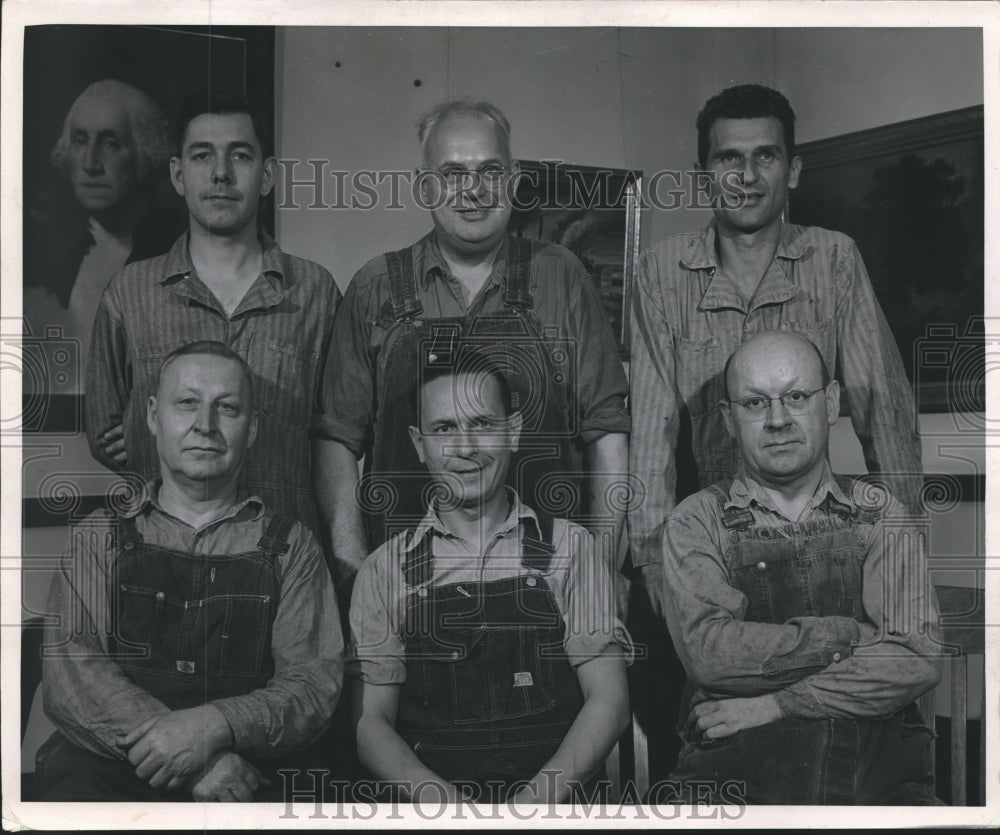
(486, 656)
(800, 604)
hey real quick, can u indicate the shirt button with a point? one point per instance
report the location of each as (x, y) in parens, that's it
(531, 581)
(161, 596)
(836, 656)
(422, 591)
(762, 565)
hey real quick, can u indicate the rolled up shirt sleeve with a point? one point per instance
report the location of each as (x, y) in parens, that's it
(589, 602)
(721, 652)
(108, 378)
(897, 659)
(601, 382)
(347, 386)
(376, 653)
(86, 694)
(308, 651)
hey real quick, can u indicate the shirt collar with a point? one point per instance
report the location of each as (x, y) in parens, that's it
(147, 499)
(431, 262)
(745, 490)
(432, 521)
(702, 254)
(274, 264)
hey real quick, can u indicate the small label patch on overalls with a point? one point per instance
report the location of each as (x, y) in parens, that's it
(523, 680)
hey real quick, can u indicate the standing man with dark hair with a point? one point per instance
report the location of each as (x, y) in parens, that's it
(700, 295)
(470, 276)
(224, 279)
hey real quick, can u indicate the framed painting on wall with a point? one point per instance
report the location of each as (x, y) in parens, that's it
(594, 213)
(71, 204)
(911, 196)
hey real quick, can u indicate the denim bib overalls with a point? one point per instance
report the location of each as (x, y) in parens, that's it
(190, 628)
(537, 364)
(808, 569)
(489, 692)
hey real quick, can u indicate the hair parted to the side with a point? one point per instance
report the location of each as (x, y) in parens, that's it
(220, 103)
(208, 348)
(461, 107)
(462, 358)
(150, 128)
(745, 101)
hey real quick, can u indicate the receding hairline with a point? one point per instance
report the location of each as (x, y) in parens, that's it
(246, 375)
(429, 123)
(788, 337)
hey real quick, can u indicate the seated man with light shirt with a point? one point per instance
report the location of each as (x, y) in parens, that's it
(486, 655)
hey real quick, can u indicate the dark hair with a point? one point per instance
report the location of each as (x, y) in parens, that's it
(198, 104)
(449, 360)
(208, 347)
(746, 101)
(823, 368)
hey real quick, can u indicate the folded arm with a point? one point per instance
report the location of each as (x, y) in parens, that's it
(721, 652)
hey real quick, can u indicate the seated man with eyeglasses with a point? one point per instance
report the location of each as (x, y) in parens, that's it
(468, 276)
(801, 607)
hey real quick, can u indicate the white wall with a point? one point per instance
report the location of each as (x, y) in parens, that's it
(600, 96)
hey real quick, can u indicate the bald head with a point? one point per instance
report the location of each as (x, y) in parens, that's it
(757, 350)
(779, 407)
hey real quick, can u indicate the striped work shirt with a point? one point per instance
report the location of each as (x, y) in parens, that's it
(281, 328)
(687, 318)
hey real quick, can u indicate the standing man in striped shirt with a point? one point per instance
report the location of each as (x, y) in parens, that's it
(700, 295)
(226, 280)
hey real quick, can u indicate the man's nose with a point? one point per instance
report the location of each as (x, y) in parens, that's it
(465, 444)
(749, 173)
(93, 159)
(222, 169)
(777, 414)
(206, 419)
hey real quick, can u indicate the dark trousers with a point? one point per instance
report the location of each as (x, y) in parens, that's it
(66, 772)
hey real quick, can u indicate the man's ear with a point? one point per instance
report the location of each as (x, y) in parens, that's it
(175, 175)
(151, 414)
(267, 181)
(794, 169)
(832, 402)
(418, 442)
(727, 417)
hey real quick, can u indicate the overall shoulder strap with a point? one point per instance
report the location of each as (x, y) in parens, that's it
(402, 284)
(128, 533)
(733, 518)
(517, 293)
(537, 542)
(275, 539)
(419, 563)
